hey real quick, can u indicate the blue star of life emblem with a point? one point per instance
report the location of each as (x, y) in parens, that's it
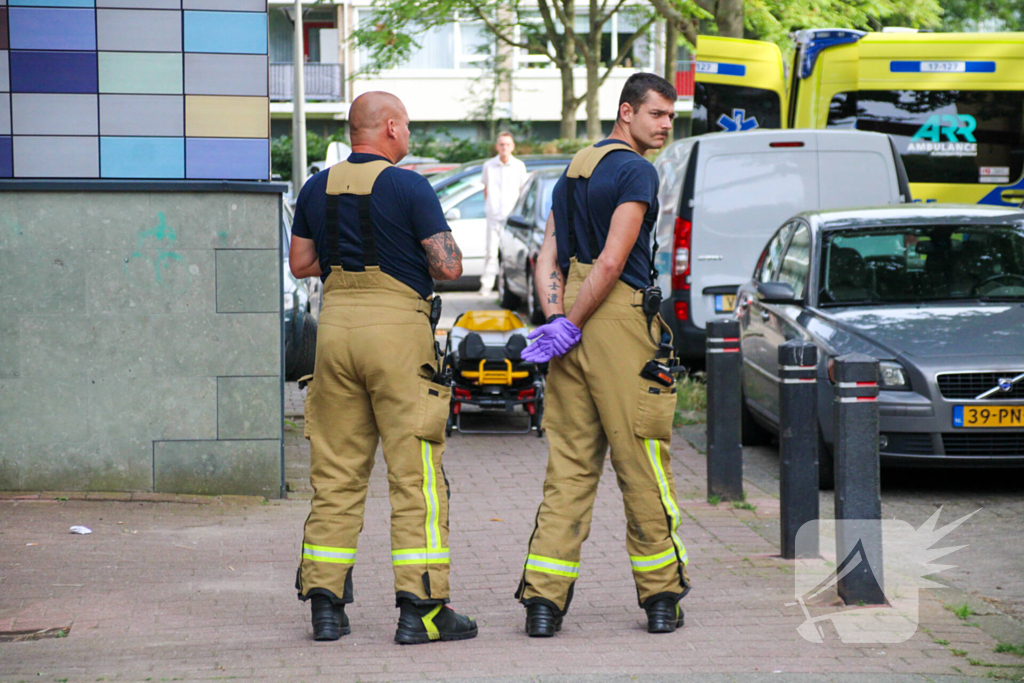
(739, 121)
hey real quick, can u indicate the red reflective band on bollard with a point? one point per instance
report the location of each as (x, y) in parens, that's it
(456, 408)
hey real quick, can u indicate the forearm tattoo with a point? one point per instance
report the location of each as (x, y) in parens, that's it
(555, 286)
(443, 254)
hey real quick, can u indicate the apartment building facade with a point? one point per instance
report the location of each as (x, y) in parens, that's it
(448, 83)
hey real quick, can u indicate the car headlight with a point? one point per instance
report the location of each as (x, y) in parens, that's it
(893, 376)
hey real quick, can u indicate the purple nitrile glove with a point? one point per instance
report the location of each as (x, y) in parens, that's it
(555, 339)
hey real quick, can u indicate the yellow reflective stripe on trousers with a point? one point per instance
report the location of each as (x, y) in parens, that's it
(323, 553)
(646, 563)
(419, 556)
(550, 565)
(430, 495)
(653, 447)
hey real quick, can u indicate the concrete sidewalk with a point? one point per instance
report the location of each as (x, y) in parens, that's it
(189, 591)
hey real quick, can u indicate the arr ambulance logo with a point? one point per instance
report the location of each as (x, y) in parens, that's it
(946, 136)
(899, 573)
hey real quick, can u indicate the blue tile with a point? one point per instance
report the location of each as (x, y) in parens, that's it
(142, 157)
(52, 29)
(227, 159)
(226, 32)
(6, 158)
(52, 3)
(68, 72)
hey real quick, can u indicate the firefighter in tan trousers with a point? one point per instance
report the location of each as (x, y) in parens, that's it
(376, 235)
(599, 339)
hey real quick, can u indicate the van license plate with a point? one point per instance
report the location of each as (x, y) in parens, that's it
(988, 416)
(725, 303)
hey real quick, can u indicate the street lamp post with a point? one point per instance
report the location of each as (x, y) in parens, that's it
(298, 107)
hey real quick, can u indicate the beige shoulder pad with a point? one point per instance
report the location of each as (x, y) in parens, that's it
(587, 159)
(347, 178)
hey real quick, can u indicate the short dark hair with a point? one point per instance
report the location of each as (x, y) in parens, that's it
(638, 85)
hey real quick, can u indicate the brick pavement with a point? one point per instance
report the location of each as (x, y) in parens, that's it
(184, 591)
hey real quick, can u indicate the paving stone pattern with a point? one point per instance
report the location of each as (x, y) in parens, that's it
(184, 591)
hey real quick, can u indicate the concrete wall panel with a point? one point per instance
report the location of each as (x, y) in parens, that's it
(5, 70)
(112, 350)
(227, 5)
(248, 407)
(226, 117)
(226, 467)
(242, 284)
(161, 221)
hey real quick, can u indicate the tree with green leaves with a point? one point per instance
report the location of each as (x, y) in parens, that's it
(547, 28)
(981, 15)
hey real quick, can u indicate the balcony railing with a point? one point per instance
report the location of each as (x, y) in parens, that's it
(323, 81)
(684, 78)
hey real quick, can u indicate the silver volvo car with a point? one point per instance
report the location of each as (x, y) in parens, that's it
(935, 292)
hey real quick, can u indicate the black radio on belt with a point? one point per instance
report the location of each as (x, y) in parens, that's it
(652, 301)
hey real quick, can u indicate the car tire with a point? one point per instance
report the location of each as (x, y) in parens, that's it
(508, 299)
(826, 465)
(533, 308)
(306, 357)
(751, 433)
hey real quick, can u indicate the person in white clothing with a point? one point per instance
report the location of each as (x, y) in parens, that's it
(503, 179)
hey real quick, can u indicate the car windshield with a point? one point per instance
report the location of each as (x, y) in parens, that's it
(546, 189)
(915, 264)
(459, 185)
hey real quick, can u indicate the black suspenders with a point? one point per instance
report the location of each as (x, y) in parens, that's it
(365, 230)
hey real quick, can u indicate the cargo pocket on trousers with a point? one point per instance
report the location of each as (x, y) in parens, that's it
(656, 407)
(306, 381)
(434, 403)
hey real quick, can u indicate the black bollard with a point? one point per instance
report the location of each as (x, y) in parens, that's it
(858, 482)
(725, 452)
(798, 444)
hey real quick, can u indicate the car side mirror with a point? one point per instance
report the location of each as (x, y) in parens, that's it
(453, 215)
(776, 292)
(517, 221)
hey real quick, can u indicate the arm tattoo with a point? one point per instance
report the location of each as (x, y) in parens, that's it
(555, 284)
(443, 255)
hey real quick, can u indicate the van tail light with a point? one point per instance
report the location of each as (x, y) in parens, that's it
(681, 254)
(786, 144)
(462, 394)
(682, 310)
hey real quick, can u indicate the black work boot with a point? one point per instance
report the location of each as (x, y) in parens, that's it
(664, 616)
(429, 623)
(329, 620)
(541, 621)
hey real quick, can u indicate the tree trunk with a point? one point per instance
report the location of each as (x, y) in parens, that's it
(729, 18)
(671, 55)
(594, 131)
(569, 104)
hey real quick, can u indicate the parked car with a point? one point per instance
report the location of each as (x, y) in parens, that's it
(722, 196)
(464, 211)
(934, 292)
(460, 177)
(520, 244)
(301, 311)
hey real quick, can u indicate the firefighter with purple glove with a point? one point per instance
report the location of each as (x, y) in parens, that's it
(595, 279)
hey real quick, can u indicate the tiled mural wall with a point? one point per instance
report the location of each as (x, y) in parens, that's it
(168, 89)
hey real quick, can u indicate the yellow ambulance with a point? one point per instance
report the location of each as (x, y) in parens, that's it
(953, 103)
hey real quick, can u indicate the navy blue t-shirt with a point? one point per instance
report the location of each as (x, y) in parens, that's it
(620, 177)
(405, 211)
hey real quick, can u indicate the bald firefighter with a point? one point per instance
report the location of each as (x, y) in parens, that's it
(604, 338)
(375, 234)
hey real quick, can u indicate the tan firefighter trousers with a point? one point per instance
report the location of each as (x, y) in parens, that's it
(372, 382)
(595, 399)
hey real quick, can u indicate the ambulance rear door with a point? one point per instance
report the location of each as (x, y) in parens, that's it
(740, 85)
